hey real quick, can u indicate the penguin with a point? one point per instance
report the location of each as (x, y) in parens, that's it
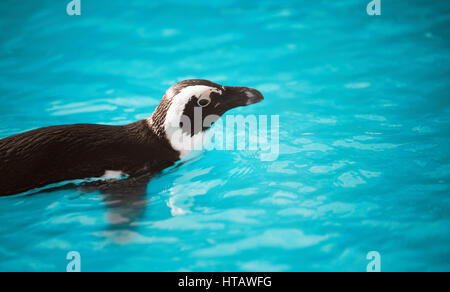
(137, 151)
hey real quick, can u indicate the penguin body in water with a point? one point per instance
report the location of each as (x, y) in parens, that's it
(139, 150)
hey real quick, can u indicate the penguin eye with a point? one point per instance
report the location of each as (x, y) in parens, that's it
(202, 102)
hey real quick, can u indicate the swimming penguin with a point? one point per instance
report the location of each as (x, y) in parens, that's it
(55, 154)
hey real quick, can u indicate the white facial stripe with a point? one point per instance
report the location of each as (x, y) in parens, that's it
(179, 140)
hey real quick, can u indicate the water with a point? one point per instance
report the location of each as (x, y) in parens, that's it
(364, 134)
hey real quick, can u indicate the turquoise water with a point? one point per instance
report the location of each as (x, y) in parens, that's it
(364, 112)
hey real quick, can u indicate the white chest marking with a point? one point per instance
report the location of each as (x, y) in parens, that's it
(113, 174)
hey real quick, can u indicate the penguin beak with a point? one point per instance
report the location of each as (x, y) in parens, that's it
(242, 96)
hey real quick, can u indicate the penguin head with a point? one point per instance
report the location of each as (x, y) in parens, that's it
(190, 107)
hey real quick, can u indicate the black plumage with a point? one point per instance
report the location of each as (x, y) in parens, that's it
(49, 155)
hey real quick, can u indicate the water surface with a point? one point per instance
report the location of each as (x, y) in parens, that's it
(364, 134)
